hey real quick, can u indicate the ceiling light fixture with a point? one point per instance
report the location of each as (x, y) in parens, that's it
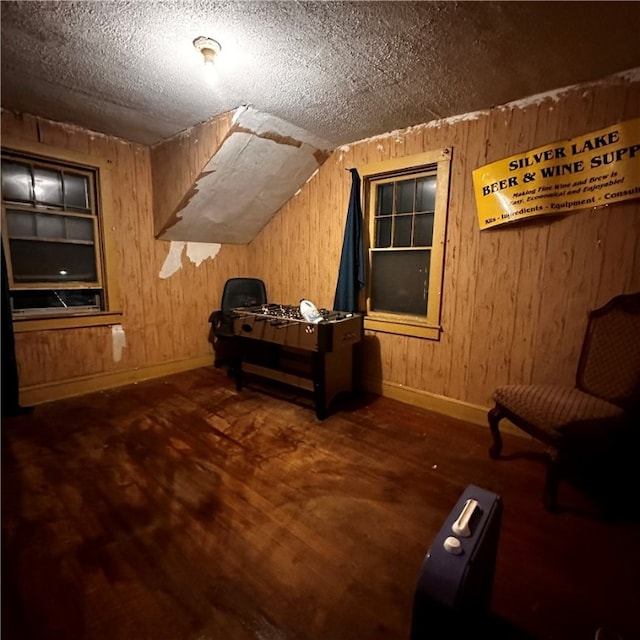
(209, 48)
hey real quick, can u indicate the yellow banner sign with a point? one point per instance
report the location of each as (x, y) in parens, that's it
(595, 170)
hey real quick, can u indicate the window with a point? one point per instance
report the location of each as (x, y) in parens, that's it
(53, 231)
(406, 203)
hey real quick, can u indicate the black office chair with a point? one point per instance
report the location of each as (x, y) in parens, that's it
(237, 292)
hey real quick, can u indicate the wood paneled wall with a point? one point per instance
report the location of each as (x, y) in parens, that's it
(515, 298)
(165, 320)
(176, 164)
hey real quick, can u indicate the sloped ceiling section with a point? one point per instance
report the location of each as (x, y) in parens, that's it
(261, 164)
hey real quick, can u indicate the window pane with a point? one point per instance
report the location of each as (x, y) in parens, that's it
(426, 194)
(383, 232)
(423, 232)
(27, 224)
(16, 181)
(385, 200)
(50, 226)
(48, 186)
(21, 223)
(79, 228)
(404, 196)
(402, 231)
(76, 191)
(400, 281)
(56, 299)
(36, 261)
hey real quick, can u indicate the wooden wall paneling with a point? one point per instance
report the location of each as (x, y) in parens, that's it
(319, 226)
(176, 164)
(576, 262)
(34, 355)
(133, 252)
(461, 256)
(557, 260)
(112, 151)
(20, 125)
(396, 369)
(493, 289)
(541, 129)
(273, 261)
(333, 206)
(419, 358)
(428, 359)
(153, 329)
(297, 243)
(631, 101)
(195, 312)
(63, 136)
(386, 343)
(620, 252)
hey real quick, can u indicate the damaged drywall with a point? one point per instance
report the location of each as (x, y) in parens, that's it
(262, 162)
(197, 252)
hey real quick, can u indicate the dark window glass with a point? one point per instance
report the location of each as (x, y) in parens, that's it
(385, 200)
(423, 231)
(79, 228)
(402, 231)
(21, 224)
(31, 224)
(404, 196)
(48, 186)
(383, 232)
(55, 299)
(426, 194)
(400, 281)
(16, 181)
(76, 192)
(38, 261)
(50, 226)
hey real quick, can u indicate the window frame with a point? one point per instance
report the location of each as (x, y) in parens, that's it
(439, 162)
(105, 239)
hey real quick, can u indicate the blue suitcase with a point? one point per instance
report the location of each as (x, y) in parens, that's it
(455, 585)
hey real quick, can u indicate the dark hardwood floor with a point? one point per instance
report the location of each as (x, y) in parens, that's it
(180, 509)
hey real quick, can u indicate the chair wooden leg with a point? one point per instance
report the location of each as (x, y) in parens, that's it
(495, 415)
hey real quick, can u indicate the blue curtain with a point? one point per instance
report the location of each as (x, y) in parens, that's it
(351, 273)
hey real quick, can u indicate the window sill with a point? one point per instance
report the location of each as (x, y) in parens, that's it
(21, 325)
(405, 328)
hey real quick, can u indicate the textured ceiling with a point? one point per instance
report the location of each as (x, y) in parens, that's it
(342, 71)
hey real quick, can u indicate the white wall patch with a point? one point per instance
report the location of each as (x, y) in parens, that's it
(118, 341)
(173, 261)
(199, 251)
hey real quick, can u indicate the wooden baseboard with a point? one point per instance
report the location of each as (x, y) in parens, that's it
(38, 394)
(466, 411)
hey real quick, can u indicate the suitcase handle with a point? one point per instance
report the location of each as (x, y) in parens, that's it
(461, 527)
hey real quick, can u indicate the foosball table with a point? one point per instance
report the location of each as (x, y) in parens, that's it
(279, 344)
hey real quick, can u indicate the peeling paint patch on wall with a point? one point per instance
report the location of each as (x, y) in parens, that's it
(173, 261)
(118, 341)
(197, 252)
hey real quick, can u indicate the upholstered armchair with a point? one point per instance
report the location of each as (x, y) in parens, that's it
(591, 416)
